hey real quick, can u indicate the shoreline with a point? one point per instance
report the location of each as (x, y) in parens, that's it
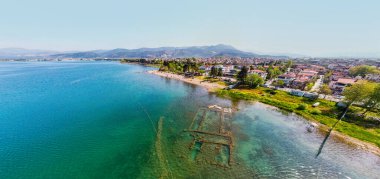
(335, 135)
(212, 87)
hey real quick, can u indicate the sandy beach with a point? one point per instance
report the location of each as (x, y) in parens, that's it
(211, 87)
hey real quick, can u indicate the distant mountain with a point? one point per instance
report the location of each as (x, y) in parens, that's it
(163, 52)
(24, 53)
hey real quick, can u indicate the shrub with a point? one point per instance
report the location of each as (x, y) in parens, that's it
(302, 106)
(315, 111)
(313, 98)
(273, 92)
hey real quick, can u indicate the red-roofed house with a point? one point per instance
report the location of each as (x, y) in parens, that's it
(338, 86)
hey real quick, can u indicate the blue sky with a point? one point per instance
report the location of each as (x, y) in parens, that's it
(316, 28)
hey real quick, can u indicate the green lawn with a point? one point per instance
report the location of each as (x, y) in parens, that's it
(326, 113)
(212, 80)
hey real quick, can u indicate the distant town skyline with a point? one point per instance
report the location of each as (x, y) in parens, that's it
(340, 28)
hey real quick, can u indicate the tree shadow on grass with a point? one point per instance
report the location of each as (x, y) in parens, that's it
(329, 133)
(361, 121)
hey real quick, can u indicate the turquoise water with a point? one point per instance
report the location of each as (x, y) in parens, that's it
(99, 120)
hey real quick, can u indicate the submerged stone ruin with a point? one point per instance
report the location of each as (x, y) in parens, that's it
(212, 137)
(203, 150)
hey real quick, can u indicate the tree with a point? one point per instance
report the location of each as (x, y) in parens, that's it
(220, 72)
(185, 68)
(327, 77)
(309, 86)
(273, 72)
(242, 75)
(289, 64)
(254, 80)
(279, 83)
(269, 74)
(373, 100)
(213, 71)
(358, 92)
(277, 71)
(325, 90)
(195, 66)
(261, 68)
(363, 70)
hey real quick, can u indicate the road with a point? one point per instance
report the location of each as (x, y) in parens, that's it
(317, 84)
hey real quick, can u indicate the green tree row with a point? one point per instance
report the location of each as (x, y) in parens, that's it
(363, 70)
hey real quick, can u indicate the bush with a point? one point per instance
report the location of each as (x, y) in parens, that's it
(313, 98)
(302, 107)
(315, 111)
(272, 92)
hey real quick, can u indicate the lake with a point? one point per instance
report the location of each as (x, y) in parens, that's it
(112, 120)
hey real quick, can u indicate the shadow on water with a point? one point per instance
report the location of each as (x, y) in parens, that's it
(329, 133)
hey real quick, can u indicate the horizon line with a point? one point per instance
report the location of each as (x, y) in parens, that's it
(288, 54)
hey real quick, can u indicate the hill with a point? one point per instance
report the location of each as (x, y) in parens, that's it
(163, 52)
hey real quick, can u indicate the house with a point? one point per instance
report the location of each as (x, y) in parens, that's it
(261, 73)
(317, 68)
(336, 75)
(205, 68)
(228, 68)
(338, 86)
(287, 78)
(299, 83)
(303, 77)
(308, 72)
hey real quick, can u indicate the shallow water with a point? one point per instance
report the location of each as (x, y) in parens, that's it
(100, 120)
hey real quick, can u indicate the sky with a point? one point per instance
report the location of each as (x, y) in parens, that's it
(306, 27)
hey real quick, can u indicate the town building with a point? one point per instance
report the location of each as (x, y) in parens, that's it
(338, 86)
(261, 73)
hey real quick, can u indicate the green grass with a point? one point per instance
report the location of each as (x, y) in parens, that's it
(213, 80)
(326, 113)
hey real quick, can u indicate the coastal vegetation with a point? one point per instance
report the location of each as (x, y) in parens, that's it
(133, 60)
(153, 63)
(363, 70)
